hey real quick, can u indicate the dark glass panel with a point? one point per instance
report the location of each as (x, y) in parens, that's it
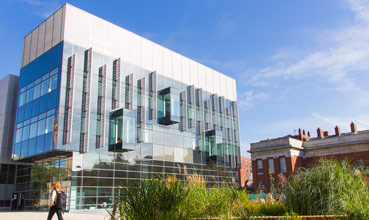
(38, 73)
(40, 144)
(24, 76)
(20, 115)
(48, 142)
(46, 66)
(17, 148)
(31, 71)
(43, 103)
(11, 174)
(35, 107)
(27, 113)
(32, 147)
(24, 148)
(52, 100)
(55, 57)
(3, 173)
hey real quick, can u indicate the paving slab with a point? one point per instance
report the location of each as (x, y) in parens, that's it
(37, 215)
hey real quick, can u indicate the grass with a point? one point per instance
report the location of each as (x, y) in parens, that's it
(329, 188)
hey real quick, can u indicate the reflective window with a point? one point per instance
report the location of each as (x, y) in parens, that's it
(18, 135)
(25, 133)
(283, 164)
(36, 91)
(53, 82)
(22, 99)
(271, 165)
(41, 127)
(29, 95)
(129, 129)
(33, 130)
(260, 166)
(44, 87)
(49, 124)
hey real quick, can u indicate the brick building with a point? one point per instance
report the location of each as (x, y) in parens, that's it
(275, 159)
(245, 173)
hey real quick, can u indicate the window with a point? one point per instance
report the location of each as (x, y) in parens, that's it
(36, 91)
(283, 164)
(271, 165)
(260, 166)
(41, 127)
(33, 130)
(53, 82)
(45, 87)
(29, 95)
(22, 99)
(49, 124)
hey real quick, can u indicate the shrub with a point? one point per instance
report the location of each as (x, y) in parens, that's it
(330, 187)
(157, 199)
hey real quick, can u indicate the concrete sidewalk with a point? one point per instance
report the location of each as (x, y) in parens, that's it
(39, 215)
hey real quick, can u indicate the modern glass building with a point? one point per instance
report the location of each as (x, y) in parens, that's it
(100, 107)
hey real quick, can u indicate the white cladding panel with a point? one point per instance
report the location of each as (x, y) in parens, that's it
(135, 50)
(57, 27)
(85, 30)
(185, 70)
(167, 63)
(34, 38)
(49, 33)
(202, 77)
(26, 49)
(209, 80)
(123, 44)
(177, 70)
(194, 68)
(147, 54)
(41, 39)
(157, 61)
(216, 85)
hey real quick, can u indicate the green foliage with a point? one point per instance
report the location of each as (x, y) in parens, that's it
(150, 199)
(330, 187)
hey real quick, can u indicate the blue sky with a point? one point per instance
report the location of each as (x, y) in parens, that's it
(297, 63)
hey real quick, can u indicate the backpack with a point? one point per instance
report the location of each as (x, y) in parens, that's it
(61, 200)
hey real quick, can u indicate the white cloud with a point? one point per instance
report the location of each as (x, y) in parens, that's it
(43, 8)
(342, 54)
(249, 98)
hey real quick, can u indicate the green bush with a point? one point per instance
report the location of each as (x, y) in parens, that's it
(149, 200)
(330, 187)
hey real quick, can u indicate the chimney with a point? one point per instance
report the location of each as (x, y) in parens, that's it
(320, 133)
(353, 127)
(309, 135)
(303, 132)
(337, 130)
(300, 132)
(326, 133)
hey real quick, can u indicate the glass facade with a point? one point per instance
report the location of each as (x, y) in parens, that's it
(97, 123)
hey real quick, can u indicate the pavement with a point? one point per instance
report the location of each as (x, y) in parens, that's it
(37, 215)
